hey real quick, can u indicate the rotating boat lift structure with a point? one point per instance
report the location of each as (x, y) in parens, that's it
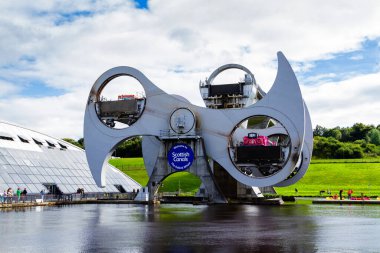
(180, 136)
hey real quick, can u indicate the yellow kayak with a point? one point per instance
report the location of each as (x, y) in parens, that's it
(331, 198)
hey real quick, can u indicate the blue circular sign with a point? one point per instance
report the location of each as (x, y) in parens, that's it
(180, 156)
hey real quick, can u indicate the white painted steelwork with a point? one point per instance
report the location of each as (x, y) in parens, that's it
(283, 103)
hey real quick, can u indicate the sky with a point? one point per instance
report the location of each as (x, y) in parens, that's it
(51, 52)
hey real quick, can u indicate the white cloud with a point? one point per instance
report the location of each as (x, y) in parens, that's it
(7, 89)
(346, 102)
(319, 79)
(58, 116)
(357, 57)
(195, 36)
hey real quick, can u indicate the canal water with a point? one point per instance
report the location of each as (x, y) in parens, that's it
(188, 228)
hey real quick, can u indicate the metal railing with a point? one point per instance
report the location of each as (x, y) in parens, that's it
(170, 134)
(130, 167)
(33, 198)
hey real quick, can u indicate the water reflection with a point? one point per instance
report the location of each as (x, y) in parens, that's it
(187, 228)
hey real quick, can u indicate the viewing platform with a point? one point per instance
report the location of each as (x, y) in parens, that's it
(70, 199)
(77, 199)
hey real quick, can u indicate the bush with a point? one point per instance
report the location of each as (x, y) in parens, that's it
(373, 136)
(130, 148)
(332, 148)
(344, 152)
(357, 151)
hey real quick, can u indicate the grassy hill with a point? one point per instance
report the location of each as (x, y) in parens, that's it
(360, 175)
(133, 167)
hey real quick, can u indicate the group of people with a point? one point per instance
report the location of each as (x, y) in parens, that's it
(7, 196)
(349, 194)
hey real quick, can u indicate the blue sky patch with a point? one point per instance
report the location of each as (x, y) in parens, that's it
(28, 59)
(64, 18)
(38, 89)
(342, 66)
(34, 88)
(141, 4)
(177, 69)
(27, 86)
(71, 16)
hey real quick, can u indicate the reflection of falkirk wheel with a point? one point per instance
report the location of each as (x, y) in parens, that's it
(243, 140)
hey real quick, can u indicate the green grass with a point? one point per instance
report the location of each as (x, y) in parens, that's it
(187, 182)
(361, 175)
(134, 167)
(361, 160)
(130, 163)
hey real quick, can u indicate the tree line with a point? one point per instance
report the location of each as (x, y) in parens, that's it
(357, 141)
(128, 148)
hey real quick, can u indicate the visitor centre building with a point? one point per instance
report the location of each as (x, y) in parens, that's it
(35, 161)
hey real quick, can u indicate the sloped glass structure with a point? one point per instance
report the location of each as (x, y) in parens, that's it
(35, 161)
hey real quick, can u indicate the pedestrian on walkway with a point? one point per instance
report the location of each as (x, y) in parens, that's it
(349, 193)
(23, 195)
(42, 192)
(5, 197)
(341, 194)
(10, 195)
(18, 193)
(1, 196)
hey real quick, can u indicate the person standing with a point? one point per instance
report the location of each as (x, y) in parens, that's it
(5, 196)
(1, 197)
(349, 193)
(10, 194)
(341, 194)
(42, 195)
(23, 195)
(18, 193)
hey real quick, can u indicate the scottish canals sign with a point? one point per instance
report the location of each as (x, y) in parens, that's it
(180, 156)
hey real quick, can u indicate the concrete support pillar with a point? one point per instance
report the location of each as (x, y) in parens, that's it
(200, 167)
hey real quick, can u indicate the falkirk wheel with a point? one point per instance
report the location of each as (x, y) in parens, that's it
(242, 142)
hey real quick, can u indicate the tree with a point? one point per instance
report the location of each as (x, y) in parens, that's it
(334, 132)
(130, 148)
(332, 148)
(344, 152)
(357, 150)
(81, 142)
(326, 147)
(346, 134)
(373, 136)
(72, 141)
(319, 130)
(360, 131)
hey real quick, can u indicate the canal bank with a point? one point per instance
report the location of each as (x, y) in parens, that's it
(179, 200)
(185, 200)
(346, 202)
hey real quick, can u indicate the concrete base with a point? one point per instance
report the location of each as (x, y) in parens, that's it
(142, 195)
(231, 188)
